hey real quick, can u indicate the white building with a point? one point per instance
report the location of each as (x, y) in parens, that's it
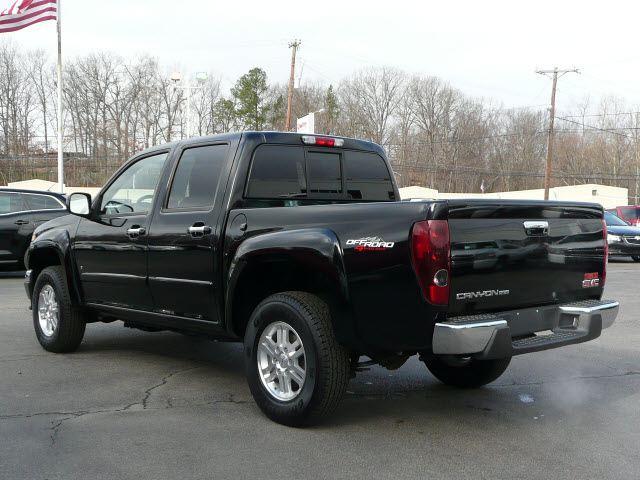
(46, 186)
(605, 195)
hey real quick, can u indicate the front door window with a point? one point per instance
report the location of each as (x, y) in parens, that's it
(133, 190)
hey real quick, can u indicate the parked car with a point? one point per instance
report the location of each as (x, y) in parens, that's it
(630, 214)
(21, 211)
(623, 239)
(298, 246)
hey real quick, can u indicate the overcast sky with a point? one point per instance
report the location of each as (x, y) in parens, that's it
(485, 48)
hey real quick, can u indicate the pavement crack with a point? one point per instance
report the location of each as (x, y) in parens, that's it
(55, 428)
(149, 391)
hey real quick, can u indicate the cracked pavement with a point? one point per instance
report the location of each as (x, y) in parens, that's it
(131, 404)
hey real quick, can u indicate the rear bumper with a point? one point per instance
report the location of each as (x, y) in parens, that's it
(505, 334)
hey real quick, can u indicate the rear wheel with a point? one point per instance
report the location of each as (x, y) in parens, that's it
(296, 370)
(636, 258)
(59, 326)
(466, 372)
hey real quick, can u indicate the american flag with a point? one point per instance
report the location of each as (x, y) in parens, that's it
(23, 13)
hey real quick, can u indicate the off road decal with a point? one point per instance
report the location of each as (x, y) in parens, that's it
(369, 244)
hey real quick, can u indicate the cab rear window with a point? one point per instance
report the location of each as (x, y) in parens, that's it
(280, 172)
(367, 177)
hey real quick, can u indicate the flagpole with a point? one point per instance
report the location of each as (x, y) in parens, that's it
(60, 146)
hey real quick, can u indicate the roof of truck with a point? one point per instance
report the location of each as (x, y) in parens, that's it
(267, 137)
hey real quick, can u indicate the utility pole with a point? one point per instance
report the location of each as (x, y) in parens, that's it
(294, 47)
(552, 116)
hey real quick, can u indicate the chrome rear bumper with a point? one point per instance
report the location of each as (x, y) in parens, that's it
(490, 336)
(607, 309)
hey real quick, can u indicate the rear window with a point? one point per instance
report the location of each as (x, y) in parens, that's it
(277, 172)
(293, 172)
(630, 212)
(325, 176)
(368, 177)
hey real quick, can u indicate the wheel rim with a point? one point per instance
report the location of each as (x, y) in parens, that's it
(48, 310)
(281, 361)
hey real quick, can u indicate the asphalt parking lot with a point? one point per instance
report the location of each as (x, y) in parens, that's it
(141, 405)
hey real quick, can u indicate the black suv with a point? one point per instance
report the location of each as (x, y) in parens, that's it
(21, 211)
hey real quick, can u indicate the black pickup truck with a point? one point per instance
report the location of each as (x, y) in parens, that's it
(299, 246)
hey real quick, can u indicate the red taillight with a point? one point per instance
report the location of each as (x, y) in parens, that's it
(606, 254)
(430, 254)
(322, 141)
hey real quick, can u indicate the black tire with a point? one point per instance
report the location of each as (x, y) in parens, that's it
(468, 373)
(71, 323)
(636, 258)
(327, 363)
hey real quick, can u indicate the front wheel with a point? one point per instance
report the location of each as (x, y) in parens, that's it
(636, 258)
(465, 372)
(59, 326)
(296, 370)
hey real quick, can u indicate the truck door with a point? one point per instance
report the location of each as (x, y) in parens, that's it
(111, 249)
(184, 235)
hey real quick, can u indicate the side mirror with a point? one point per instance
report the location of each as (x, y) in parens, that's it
(79, 204)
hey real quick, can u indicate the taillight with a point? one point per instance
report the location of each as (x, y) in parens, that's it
(606, 253)
(431, 257)
(322, 141)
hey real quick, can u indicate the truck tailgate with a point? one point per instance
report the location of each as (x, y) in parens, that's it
(514, 254)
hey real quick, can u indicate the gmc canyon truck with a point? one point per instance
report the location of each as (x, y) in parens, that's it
(299, 246)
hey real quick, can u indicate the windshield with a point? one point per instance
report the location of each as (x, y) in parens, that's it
(614, 221)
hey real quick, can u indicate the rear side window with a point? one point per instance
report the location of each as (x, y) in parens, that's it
(277, 172)
(11, 203)
(196, 179)
(43, 202)
(367, 177)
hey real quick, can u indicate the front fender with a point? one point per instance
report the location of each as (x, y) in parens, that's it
(315, 249)
(56, 243)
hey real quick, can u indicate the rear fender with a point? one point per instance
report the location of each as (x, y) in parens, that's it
(311, 253)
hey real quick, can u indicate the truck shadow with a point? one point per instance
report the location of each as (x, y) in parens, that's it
(532, 391)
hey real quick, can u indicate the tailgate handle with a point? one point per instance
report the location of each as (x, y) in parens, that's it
(536, 228)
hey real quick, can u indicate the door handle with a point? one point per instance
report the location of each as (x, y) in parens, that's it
(199, 230)
(136, 231)
(536, 228)
(21, 222)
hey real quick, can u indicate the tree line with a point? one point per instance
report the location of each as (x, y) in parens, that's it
(435, 135)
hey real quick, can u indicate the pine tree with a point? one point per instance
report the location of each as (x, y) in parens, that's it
(331, 105)
(250, 97)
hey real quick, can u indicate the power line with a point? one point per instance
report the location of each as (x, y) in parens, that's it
(592, 127)
(294, 47)
(552, 113)
(602, 114)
